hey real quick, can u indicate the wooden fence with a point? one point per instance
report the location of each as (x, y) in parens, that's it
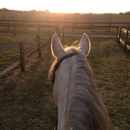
(124, 37)
(67, 25)
(56, 26)
(24, 57)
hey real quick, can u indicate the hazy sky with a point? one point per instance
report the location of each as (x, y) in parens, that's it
(95, 6)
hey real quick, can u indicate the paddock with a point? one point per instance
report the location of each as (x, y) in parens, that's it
(26, 98)
(27, 101)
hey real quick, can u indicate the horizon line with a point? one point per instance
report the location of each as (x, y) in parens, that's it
(49, 11)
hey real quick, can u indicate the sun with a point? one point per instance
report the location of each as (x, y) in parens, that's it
(68, 6)
(61, 6)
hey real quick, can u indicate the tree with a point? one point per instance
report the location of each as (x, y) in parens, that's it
(128, 12)
(47, 11)
(4, 9)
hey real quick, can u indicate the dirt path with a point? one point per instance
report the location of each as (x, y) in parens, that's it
(92, 35)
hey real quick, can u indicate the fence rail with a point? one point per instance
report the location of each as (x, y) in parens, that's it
(124, 37)
(20, 44)
(9, 47)
(23, 57)
(67, 25)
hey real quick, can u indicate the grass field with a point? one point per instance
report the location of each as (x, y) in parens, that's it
(10, 56)
(27, 101)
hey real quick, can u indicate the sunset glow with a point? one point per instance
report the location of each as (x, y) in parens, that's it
(68, 6)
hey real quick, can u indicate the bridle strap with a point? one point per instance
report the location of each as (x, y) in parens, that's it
(59, 62)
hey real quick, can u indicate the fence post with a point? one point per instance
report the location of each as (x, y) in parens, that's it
(8, 24)
(63, 33)
(57, 30)
(91, 27)
(14, 32)
(39, 27)
(49, 32)
(22, 63)
(23, 24)
(109, 25)
(126, 40)
(117, 31)
(73, 26)
(119, 36)
(39, 45)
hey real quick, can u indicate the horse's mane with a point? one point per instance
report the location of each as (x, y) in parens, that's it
(85, 110)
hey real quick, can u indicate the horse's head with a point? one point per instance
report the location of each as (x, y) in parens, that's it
(61, 53)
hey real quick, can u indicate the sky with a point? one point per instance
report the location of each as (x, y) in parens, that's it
(69, 6)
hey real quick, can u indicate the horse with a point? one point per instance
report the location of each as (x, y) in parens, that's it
(78, 102)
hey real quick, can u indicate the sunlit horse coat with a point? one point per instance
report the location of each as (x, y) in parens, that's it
(75, 94)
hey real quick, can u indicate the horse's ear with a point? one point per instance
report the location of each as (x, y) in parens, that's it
(85, 44)
(56, 47)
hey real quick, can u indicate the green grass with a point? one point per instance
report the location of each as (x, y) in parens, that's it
(27, 100)
(27, 105)
(111, 69)
(9, 57)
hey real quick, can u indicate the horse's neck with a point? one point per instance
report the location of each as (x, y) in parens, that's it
(65, 89)
(61, 88)
(76, 97)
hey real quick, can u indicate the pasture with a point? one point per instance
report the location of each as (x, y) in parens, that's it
(67, 17)
(26, 99)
